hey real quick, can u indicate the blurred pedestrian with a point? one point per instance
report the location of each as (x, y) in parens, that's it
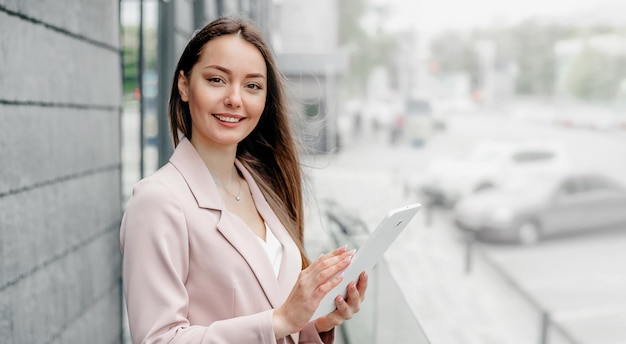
(212, 242)
(397, 128)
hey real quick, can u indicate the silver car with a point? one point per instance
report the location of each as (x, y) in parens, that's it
(529, 211)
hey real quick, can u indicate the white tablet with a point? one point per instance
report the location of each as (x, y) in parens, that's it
(369, 253)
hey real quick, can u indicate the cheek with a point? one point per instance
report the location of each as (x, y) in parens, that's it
(201, 99)
(258, 106)
(261, 107)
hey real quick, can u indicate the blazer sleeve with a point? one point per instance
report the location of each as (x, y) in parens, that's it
(155, 249)
(309, 335)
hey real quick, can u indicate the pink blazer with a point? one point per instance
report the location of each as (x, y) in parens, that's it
(193, 272)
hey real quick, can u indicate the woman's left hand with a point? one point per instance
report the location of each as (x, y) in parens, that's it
(345, 308)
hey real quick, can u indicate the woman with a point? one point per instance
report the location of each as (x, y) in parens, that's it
(212, 242)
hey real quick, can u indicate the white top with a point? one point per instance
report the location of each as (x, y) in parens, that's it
(273, 248)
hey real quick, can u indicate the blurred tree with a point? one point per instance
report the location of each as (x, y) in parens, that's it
(130, 54)
(130, 72)
(454, 52)
(531, 46)
(595, 76)
(365, 49)
(592, 75)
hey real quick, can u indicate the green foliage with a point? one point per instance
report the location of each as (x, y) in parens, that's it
(595, 76)
(591, 75)
(454, 52)
(366, 50)
(130, 54)
(531, 47)
(350, 13)
(130, 73)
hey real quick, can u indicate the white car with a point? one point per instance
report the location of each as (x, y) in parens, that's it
(488, 165)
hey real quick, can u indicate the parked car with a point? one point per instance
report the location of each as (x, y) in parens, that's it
(488, 165)
(528, 211)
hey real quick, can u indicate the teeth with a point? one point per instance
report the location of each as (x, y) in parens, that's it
(227, 119)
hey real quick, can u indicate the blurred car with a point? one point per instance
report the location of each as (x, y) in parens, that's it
(420, 121)
(488, 165)
(526, 212)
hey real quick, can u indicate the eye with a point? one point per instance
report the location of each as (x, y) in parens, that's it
(215, 79)
(254, 86)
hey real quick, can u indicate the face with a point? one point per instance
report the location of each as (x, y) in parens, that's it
(226, 91)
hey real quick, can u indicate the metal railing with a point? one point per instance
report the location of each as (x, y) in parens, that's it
(549, 330)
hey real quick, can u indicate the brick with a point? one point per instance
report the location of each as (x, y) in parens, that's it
(68, 291)
(100, 324)
(61, 142)
(89, 18)
(58, 218)
(6, 317)
(70, 71)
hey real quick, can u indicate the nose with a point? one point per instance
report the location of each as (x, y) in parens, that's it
(233, 98)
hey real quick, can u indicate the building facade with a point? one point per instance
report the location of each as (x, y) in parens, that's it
(60, 202)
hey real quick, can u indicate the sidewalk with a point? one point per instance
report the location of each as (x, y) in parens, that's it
(426, 261)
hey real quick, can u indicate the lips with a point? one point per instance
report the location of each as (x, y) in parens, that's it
(228, 119)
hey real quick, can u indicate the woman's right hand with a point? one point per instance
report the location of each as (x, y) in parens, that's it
(312, 285)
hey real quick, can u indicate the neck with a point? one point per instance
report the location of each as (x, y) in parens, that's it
(219, 160)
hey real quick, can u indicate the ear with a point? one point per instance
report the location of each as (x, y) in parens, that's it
(183, 86)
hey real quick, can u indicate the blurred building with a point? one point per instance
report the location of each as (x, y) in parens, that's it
(60, 201)
(305, 36)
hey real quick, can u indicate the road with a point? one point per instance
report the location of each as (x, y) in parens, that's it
(579, 281)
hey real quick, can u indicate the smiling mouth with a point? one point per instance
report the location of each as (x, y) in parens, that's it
(227, 119)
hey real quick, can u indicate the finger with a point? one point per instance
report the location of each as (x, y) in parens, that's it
(327, 286)
(336, 252)
(319, 263)
(329, 267)
(343, 308)
(353, 298)
(335, 265)
(362, 285)
(322, 263)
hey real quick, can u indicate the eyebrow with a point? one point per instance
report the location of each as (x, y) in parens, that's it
(228, 71)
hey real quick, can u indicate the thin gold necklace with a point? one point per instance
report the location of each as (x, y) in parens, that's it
(236, 197)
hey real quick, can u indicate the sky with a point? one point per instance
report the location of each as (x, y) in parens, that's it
(437, 15)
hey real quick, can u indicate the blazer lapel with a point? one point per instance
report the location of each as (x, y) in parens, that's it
(288, 273)
(197, 176)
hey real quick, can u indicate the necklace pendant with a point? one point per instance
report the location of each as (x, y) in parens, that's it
(237, 198)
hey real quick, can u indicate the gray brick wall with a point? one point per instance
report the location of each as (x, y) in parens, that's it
(60, 171)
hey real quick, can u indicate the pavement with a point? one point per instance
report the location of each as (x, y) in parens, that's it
(452, 301)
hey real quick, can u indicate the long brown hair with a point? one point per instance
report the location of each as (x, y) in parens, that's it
(269, 152)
